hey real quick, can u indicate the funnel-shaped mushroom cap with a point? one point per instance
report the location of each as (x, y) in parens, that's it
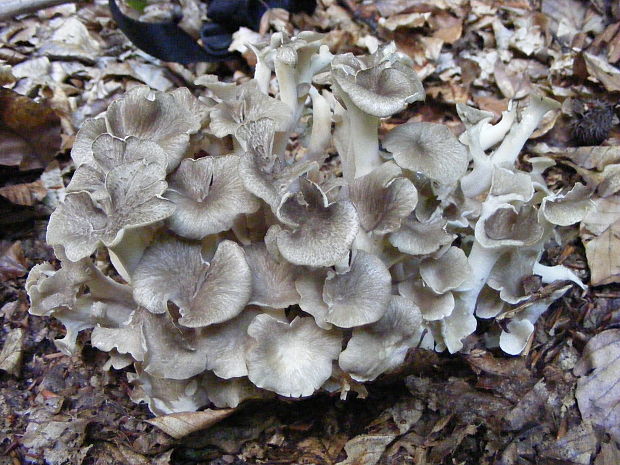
(231, 392)
(383, 198)
(382, 346)
(109, 152)
(430, 149)
(250, 105)
(378, 85)
(166, 396)
(511, 186)
(209, 195)
(293, 360)
(503, 225)
(321, 233)
(206, 293)
(432, 305)
(131, 199)
(360, 295)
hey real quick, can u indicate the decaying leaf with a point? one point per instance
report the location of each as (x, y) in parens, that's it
(600, 232)
(11, 354)
(366, 449)
(26, 194)
(59, 441)
(12, 261)
(597, 391)
(608, 75)
(179, 425)
(29, 131)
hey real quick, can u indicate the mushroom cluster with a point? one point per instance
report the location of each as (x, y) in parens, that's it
(241, 265)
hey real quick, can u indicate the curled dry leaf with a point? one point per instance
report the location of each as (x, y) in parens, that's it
(597, 391)
(181, 424)
(12, 261)
(11, 354)
(29, 131)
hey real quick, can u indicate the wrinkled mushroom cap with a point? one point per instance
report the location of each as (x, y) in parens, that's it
(322, 233)
(360, 295)
(504, 225)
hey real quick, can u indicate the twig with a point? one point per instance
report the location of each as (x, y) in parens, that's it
(11, 8)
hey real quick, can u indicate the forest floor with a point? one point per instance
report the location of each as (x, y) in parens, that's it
(558, 403)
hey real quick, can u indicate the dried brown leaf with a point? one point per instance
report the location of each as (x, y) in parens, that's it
(600, 233)
(366, 449)
(12, 261)
(607, 74)
(598, 388)
(29, 131)
(576, 447)
(26, 194)
(179, 425)
(11, 354)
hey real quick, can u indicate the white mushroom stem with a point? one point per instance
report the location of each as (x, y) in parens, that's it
(287, 81)
(316, 64)
(507, 153)
(479, 179)
(550, 274)
(493, 134)
(481, 261)
(363, 138)
(321, 127)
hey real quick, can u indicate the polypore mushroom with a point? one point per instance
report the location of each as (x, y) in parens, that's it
(292, 359)
(372, 87)
(133, 199)
(382, 346)
(321, 233)
(208, 194)
(205, 292)
(430, 149)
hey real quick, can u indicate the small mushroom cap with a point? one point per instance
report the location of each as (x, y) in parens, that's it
(165, 396)
(209, 195)
(569, 208)
(172, 270)
(382, 346)
(510, 185)
(359, 296)
(510, 272)
(430, 149)
(293, 360)
(273, 282)
(446, 272)
(309, 285)
(421, 238)
(225, 343)
(250, 105)
(231, 392)
(515, 339)
(432, 305)
(82, 150)
(380, 85)
(383, 198)
(506, 226)
(322, 233)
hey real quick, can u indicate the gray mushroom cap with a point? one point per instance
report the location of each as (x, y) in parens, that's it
(206, 293)
(430, 149)
(379, 85)
(208, 194)
(320, 233)
(383, 198)
(293, 360)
